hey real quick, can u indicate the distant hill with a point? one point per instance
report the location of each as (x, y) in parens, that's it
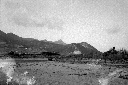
(60, 42)
(13, 41)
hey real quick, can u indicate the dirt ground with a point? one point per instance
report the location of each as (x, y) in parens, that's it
(57, 73)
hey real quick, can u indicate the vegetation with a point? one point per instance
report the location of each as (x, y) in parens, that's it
(120, 56)
(49, 55)
(111, 56)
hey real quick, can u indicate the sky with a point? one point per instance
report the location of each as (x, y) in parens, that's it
(101, 23)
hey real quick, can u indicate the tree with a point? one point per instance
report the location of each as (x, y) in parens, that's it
(109, 55)
(11, 53)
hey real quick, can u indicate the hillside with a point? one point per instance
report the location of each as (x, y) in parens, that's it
(60, 42)
(12, 41)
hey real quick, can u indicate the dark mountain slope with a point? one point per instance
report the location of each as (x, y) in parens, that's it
(14, 41)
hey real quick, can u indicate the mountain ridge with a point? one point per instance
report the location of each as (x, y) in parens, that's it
(60, 42)
(16, 42)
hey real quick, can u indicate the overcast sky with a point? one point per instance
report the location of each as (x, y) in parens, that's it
(101, 23)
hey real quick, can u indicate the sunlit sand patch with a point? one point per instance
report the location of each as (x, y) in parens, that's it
(112, 76)
(24, 79)
(8, 66)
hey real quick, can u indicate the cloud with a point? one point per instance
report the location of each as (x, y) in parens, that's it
(21, 20)
(12, 5)
(21, 14)
(55, 23)
(114, 29)
(25, 20)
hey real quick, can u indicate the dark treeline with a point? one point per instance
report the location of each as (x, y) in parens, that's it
(49, 55)
(111, 55)
(116, 55)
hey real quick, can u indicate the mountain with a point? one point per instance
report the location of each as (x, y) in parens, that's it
(13, 41)
(3, 36)
(60, 42)
(29, 39)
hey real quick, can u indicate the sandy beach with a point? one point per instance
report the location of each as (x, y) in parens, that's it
(58, 73)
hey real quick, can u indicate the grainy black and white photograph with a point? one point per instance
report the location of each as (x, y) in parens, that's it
(63, 42)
